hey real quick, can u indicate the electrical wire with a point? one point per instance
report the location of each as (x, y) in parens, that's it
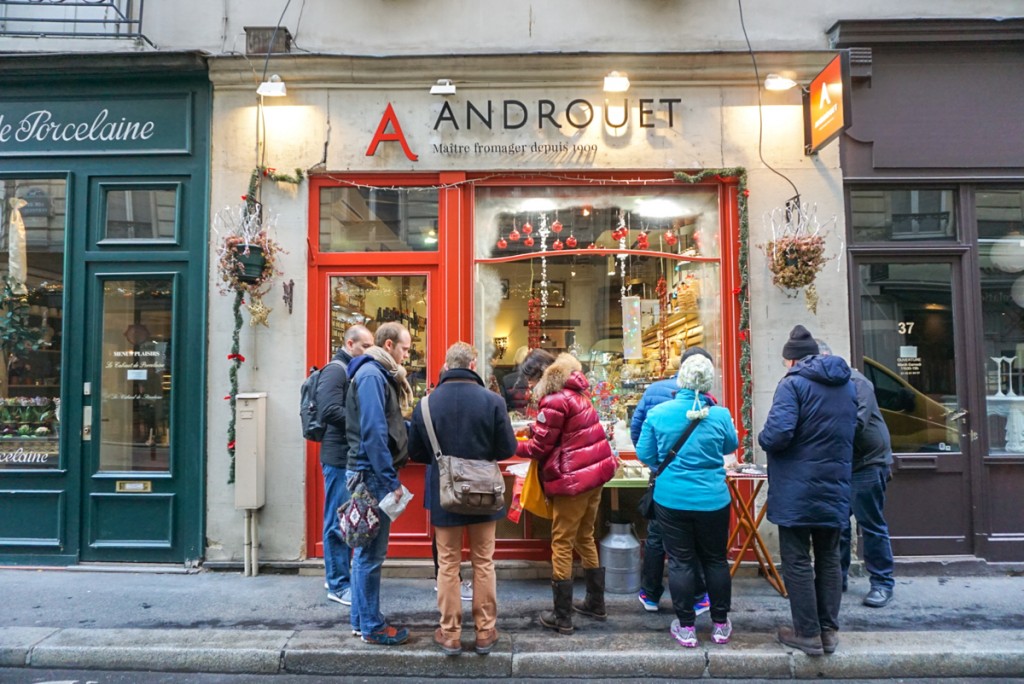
(760, 116)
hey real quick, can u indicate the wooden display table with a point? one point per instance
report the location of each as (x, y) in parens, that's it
(744, 506)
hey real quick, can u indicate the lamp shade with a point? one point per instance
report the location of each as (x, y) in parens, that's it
(275, 87)
(776, 82)
(616, 82)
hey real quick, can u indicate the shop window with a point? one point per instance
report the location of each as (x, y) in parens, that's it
(638, 286)
(136, 213)
(376, 299)
(884, 215)
(31, 316)
(135, 406)
(1000, 215)
(362, 219)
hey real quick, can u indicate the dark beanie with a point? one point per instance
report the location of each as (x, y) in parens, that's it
(695, 350)
(800, 344)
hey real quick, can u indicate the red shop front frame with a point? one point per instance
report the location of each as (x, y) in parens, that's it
(450, 293)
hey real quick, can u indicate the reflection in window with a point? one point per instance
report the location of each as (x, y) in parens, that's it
(378, 219)
(372, 300)
(140, 214)
(1000, 215)
(135, 408)
(31, 316)
(909, 352)
(883, 215)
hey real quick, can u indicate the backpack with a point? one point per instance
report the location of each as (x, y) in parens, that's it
(313, 426)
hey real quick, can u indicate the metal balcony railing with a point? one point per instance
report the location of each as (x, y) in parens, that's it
(72, 18)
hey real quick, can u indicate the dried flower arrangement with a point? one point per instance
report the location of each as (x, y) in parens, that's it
(246, 255)
(796, 252)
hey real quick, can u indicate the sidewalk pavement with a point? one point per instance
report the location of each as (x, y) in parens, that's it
(937, 626)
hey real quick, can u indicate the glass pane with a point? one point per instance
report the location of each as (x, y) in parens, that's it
(372, 300)
(883, 215)
(141, 214)
(31, 316)
(627, 319)
(1001, 247)
(676, 220)
(378, 220)
(910, 354)
(135, 406)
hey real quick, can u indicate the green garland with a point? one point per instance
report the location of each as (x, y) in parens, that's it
(746, 411)
(255, 181)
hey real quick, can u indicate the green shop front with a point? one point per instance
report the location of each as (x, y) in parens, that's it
(104, 186)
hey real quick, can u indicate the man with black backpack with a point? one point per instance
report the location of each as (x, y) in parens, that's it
(330, 401)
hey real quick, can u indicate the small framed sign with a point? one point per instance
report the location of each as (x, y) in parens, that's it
(827, 104)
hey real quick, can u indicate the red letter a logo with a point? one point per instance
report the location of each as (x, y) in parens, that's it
(381, 136)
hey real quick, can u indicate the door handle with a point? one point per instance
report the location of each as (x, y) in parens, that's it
(87, 423)
(957, 415)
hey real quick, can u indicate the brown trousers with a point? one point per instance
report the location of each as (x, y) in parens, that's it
(572, 527)
(485, 588)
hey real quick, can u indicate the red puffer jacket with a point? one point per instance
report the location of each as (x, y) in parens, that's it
(567, 439)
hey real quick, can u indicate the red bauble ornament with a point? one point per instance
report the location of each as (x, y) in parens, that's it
(514, 235)
(570, 242)
(528, 241)
(527, 228)
(591, 246)
(670, 237)
(502, 244)
(642, 242)
(557, 244)
(557, 226)
(620, 233)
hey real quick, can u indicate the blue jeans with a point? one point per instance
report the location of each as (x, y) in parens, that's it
(652, 569)
(815, 588)
(867, 501)
(366, 565)
(337, 555)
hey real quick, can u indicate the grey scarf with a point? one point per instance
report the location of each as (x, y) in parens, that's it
(397, 373)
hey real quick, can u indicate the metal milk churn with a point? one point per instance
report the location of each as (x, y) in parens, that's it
(620, 557)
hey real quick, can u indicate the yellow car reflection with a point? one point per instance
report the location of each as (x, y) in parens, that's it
(917, 423)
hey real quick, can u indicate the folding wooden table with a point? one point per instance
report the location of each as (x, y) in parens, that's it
(746, 520)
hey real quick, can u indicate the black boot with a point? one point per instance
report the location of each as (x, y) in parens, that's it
(559, 619)
(593, 604)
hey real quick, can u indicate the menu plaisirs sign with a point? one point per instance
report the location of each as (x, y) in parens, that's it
(158, 125)
(827, 104)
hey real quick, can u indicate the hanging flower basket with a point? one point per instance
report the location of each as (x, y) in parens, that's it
(795, 262)
(251, 261)
(247, 255)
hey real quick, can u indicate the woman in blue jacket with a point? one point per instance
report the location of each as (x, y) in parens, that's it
(691, 497)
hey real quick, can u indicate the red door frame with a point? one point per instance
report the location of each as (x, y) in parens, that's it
(450, 306)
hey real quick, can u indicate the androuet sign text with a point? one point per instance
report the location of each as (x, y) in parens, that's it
(158, 125)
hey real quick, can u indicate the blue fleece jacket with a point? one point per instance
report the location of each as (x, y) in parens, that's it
(695, 480)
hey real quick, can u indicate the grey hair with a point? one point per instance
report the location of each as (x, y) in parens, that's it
(823, 347)
(356, 331)
(460, 355)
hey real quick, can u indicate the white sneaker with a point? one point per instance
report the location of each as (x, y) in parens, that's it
(466, 590)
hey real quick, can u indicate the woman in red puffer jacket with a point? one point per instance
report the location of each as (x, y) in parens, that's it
(575, 460)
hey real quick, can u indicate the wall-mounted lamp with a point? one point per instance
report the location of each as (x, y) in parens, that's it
(444, 86)
(501, 346)
(616, 82)
(275, 87)
(776, 82)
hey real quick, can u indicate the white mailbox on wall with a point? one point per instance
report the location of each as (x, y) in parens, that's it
(250, 450)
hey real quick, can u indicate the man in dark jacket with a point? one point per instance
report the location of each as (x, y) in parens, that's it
(470, 422)
(330, 396)
(652, 571)
(377, 447)
(808, 437)
(872, 462)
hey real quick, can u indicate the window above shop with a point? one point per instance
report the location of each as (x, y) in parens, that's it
(365, 219)
(902, 214)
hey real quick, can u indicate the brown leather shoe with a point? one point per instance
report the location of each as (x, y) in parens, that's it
(809, 645)
(451, 646)
(485, 641)
(829, 640)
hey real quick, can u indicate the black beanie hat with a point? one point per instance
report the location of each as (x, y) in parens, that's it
(800, 344)
(695, 350)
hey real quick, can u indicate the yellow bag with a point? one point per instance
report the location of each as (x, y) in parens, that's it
(532, 498)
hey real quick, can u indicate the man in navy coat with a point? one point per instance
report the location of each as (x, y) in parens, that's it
(808, 437)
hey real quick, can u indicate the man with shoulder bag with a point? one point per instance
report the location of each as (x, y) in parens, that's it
(471, 432)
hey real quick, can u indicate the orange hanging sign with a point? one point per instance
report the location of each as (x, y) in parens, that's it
(827, 104)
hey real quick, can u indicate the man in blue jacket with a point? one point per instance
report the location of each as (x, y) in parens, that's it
(330, 395)
(652, 570)
(872, 463)
(378, 438)
(808, 437)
